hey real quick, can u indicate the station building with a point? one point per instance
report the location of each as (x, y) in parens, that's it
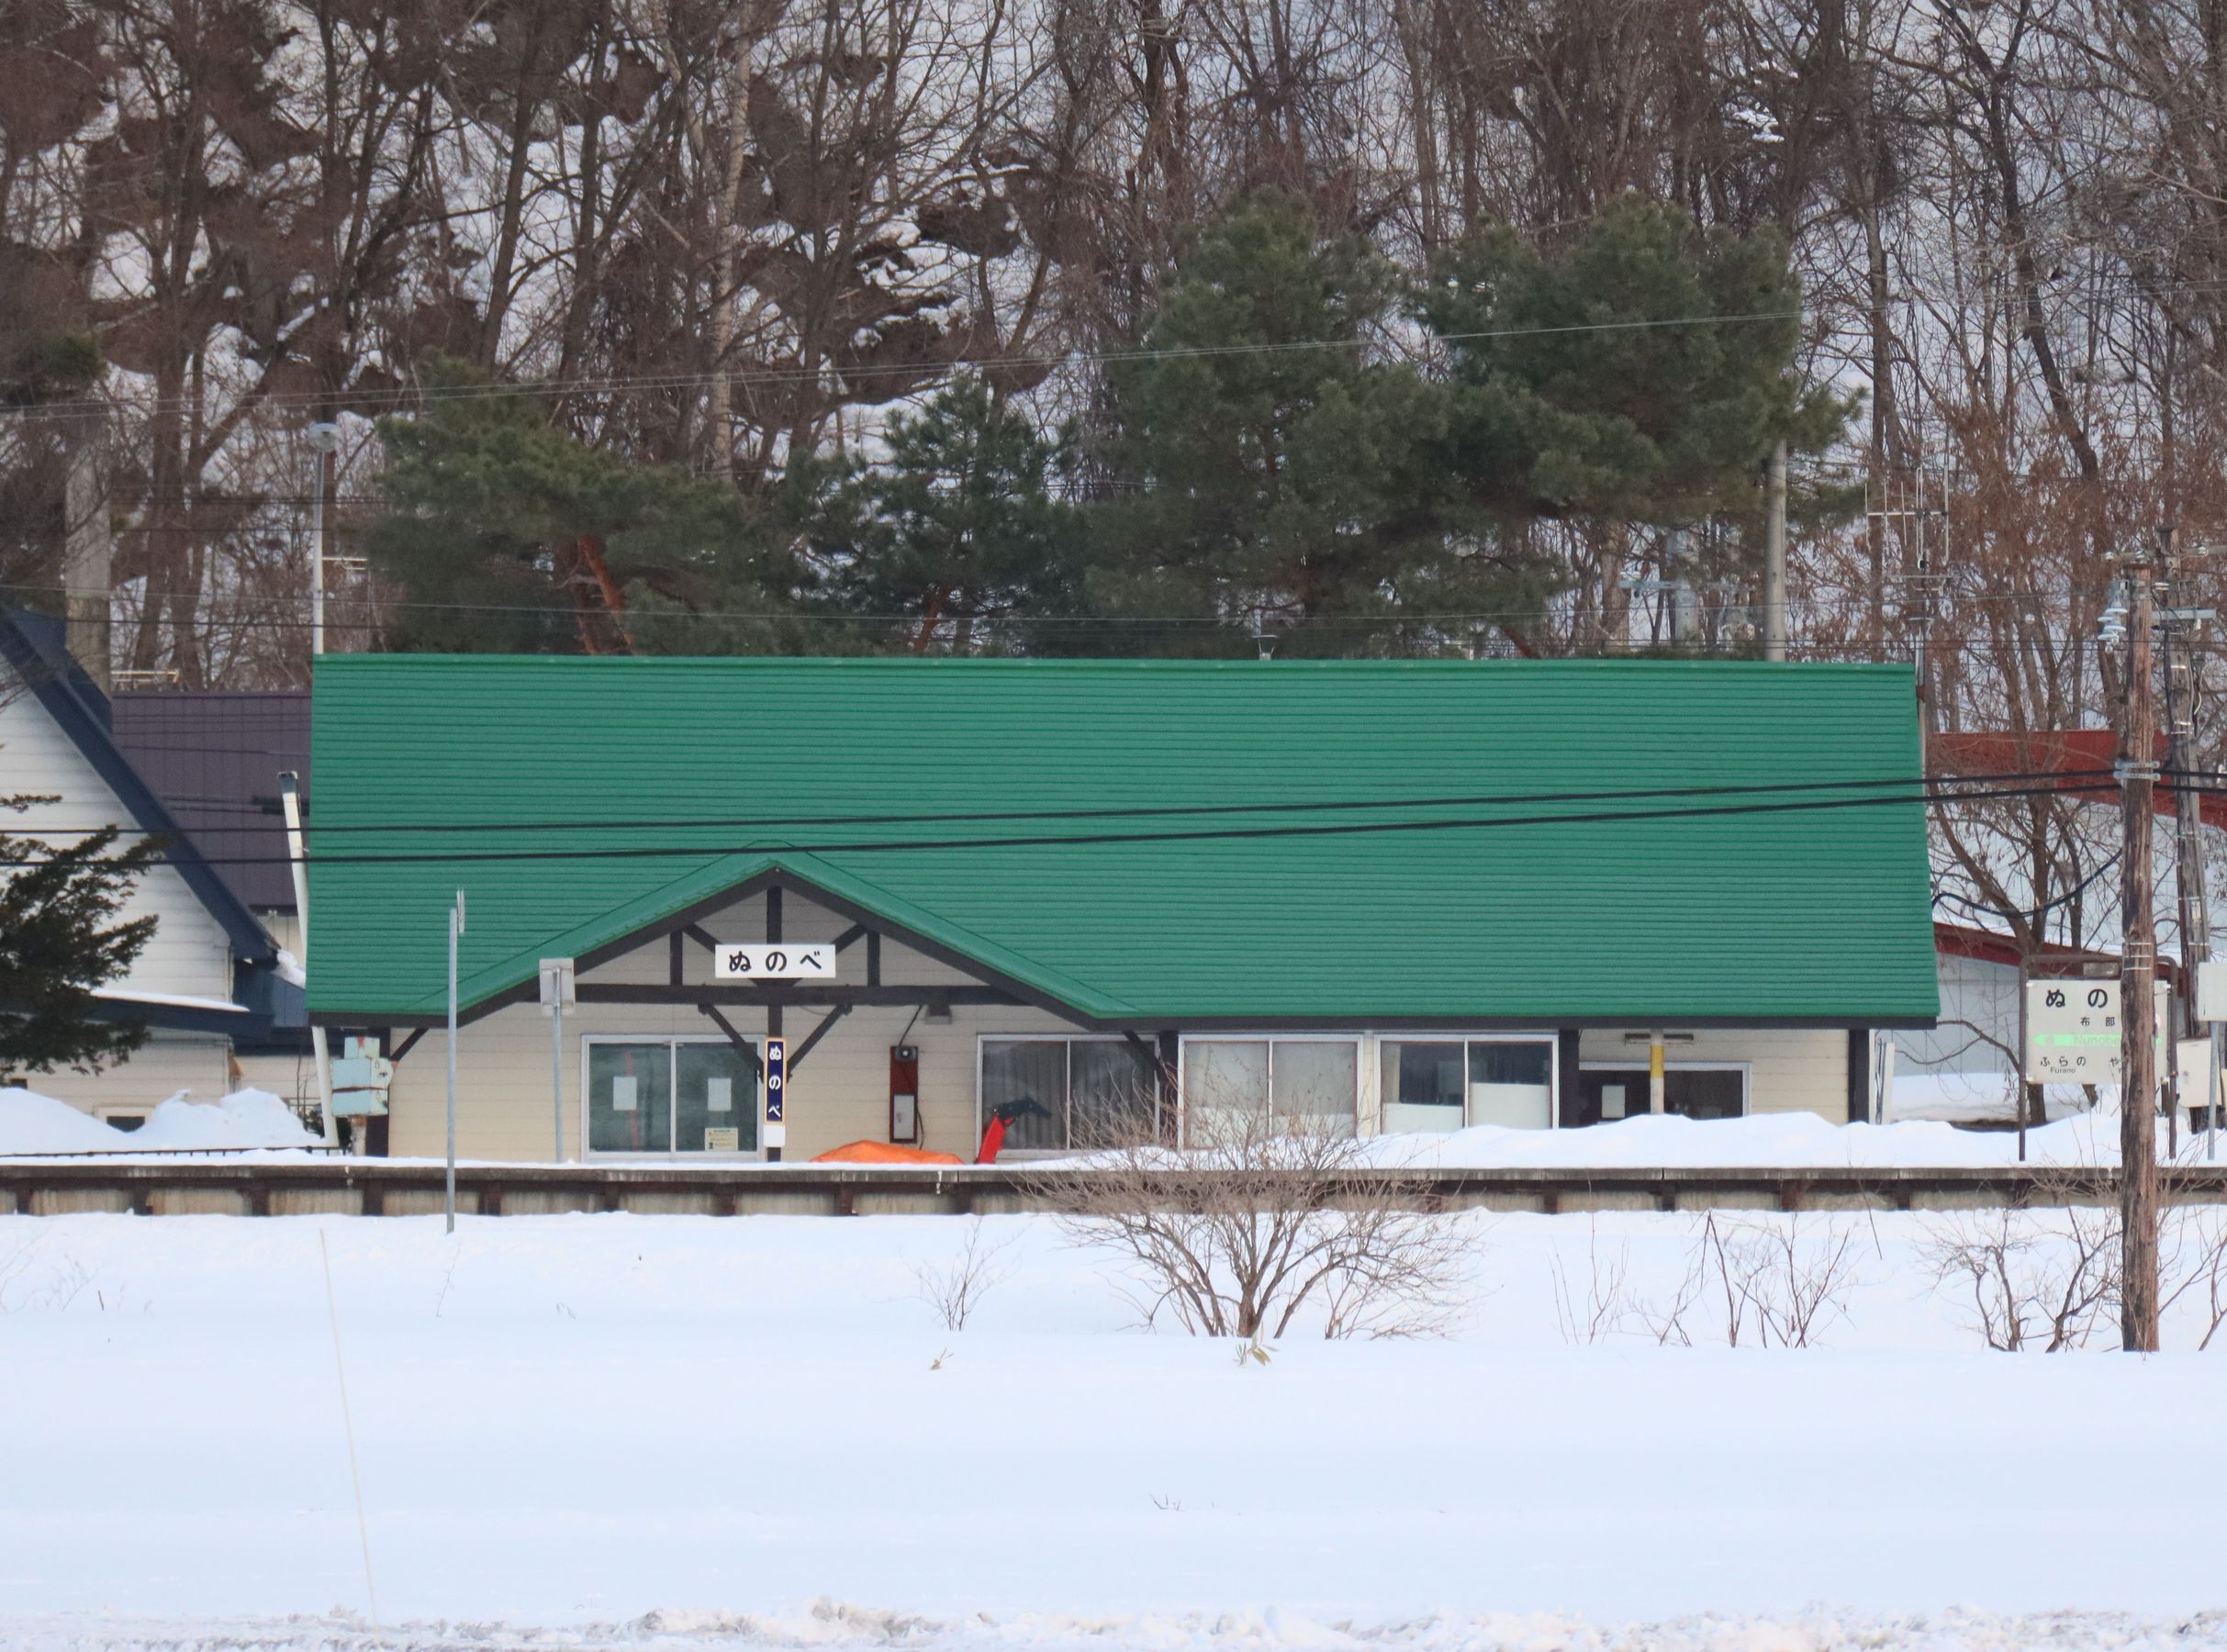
(1391, 896)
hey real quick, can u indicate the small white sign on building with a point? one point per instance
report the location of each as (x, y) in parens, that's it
(2074, 1034)
(790, 961)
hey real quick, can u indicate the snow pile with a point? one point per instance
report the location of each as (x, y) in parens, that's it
(1771, 1141)
(32, 1124)
(248, 1117)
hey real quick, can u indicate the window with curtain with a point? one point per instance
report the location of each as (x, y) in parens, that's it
(1097, 1091)
(1450, 1083)
(1310, 1079)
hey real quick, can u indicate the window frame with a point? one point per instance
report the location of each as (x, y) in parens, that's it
(674, 1153)
(1554, 1068)
(1066, 1080)
(1746, 1069)
(1361, 1042)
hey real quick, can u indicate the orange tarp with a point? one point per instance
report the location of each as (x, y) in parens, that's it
(883, 1153)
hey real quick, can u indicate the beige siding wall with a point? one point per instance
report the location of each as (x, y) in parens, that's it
(1789, 1070)
(840, 1093)
(166, 1064)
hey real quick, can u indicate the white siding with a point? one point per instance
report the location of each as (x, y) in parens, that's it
(1978, 996)
(189, 952)
(166, 1064)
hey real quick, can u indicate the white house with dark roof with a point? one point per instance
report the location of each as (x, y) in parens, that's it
(212, 985)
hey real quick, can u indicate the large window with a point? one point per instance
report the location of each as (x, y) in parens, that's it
(670, 1095)
(1096, 1092)
(1447, 1083)
(1316, 1080)
(1695, 1089)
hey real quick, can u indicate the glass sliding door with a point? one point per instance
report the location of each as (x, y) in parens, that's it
(1097, 1092)
(630, 1098)
(670, 1096)
(715, 1100)
(1316, 1083)
(1112, 1093)
(1027, 1069)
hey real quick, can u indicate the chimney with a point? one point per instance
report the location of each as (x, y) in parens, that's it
(88, 554)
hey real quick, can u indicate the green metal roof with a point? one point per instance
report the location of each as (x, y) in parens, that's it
(1818, 916)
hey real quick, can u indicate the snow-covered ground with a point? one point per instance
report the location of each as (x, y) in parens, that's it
(635, 1431)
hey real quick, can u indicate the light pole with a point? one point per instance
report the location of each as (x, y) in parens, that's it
(325, 440)
(456, 930)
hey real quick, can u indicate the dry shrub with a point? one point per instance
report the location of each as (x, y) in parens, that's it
(1779, 1282)
(953, 1289)
(2030, 1280)
(1272, 1214)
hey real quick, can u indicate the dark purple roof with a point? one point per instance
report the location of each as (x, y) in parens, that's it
(214, 759)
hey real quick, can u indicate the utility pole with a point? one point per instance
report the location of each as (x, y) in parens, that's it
(2180, 625)
(449, 1182)
(2137, 773)
(1774, 557)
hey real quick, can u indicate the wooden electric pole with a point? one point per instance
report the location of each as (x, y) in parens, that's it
(2138, 1308)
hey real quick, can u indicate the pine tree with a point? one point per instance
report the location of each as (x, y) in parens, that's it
(1264, 470)
(1641, 375)
(60, 941)
(507, 533)
(955, 529)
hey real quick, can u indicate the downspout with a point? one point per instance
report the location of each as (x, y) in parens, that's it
(289, 792)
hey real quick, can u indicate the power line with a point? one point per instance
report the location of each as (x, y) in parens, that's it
(1092, 840)
(1167, 810)
(409, 396)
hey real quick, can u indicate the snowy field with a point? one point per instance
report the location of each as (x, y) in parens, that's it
(663, 1431)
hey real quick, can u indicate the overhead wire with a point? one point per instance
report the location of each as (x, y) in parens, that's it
(1186, 811)
(411, 395)
(1080, 839)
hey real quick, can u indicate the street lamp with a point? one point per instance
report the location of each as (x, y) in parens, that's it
(325, 439)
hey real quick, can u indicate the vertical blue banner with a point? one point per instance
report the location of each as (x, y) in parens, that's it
(777, 1078)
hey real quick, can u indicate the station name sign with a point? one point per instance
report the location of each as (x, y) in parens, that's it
(796, 961)
(2074, 1030)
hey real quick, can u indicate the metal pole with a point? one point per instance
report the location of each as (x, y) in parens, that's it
(1775, 558)
(2217, 1090)
(289, 797)
(455, 929)
(556, 1084)
(2021, 1089)
(2138, 1184)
